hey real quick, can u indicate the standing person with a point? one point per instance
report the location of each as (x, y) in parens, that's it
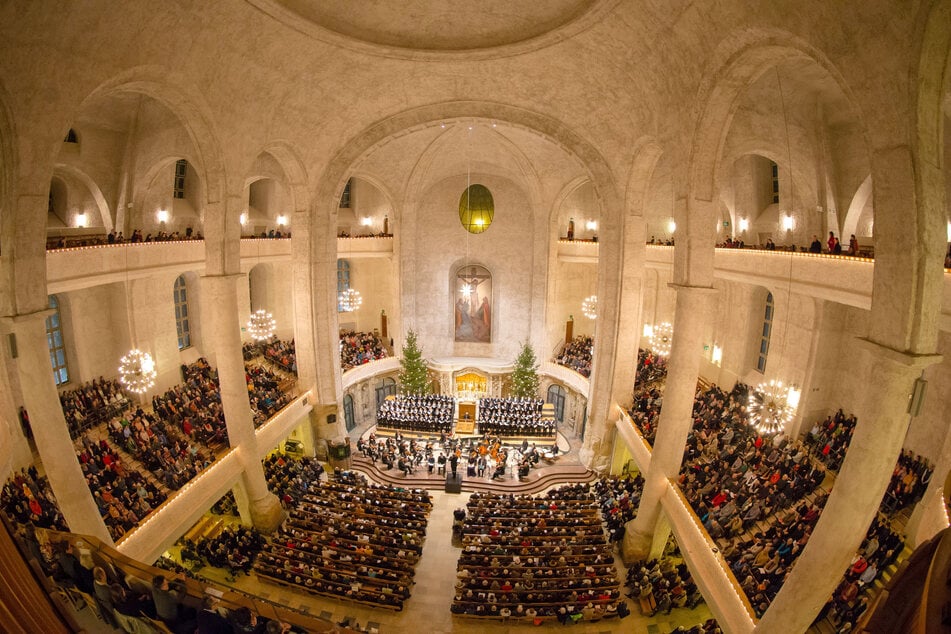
(453, 464)
(853, 245)
(832, 242)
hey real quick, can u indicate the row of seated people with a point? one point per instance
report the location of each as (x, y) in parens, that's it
(710, 626)
(161, 448)
(194, 406)
(646, 403)
(651, 368)
(828, 440)
(289, 478)
(430, 413)
(619, 498)
(577, 355)
(283, 354)
(662, 585)
(514, 417)
(264, 393)
(851, 598)
(909, 481)
(733, 477)
(233, 548)
(357, 348)
(124, 496)
(92, 403)
(349, 539)
(547, 553)
(761, 563)
(28, 500)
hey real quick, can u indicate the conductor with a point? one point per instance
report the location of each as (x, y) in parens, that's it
(453, 464)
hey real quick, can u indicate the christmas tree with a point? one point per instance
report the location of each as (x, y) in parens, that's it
(525, 375)
(414, 379)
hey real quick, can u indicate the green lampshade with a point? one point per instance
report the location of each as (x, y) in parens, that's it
(476, 208)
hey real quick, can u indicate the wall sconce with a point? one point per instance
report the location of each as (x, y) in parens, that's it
(648, 330)
(788, 223)
(366, 221)
(81, 220)
(671, 226)
(792, 398)
(717, 355)
(243, 218)
(281, 220)
(591, 225)
(162, 215)
(744, 224)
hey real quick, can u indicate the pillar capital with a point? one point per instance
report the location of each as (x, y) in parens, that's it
(901, 358)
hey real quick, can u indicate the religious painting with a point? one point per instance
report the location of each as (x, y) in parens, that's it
(472, 295)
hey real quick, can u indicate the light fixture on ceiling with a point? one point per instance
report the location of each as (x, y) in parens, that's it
(261, 325)
(137, 371)
(350, 300)
(662, 336)
(771, 406)
(590, 307)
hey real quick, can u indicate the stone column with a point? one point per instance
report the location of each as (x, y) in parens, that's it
(882, 423)
(50, 431)
(221, 326)
(641, 539)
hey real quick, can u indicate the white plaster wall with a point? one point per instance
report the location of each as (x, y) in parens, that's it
(96, 331)
(375, 278)
(572, 283)
(440, 248)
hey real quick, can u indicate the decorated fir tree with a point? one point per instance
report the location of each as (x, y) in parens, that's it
(525, 375)
(414, 378)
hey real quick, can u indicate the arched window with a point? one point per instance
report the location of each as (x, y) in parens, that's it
(345, 197)
(767, 331)
(181, 314)
(54, 340)
(71, 137)
(343, 281)
(556, 396)
(178, 188)
(348, 413)
(386, 388)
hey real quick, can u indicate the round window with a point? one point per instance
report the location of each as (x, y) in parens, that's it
(476, 208)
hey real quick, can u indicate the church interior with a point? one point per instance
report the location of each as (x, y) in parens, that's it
(354, 316)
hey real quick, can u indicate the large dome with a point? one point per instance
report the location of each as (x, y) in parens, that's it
(438, 26)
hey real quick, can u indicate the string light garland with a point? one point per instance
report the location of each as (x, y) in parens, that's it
(350, 300)
(590, 307)
(262, 325)
(661, 338)
(771, 406)
(137, 371)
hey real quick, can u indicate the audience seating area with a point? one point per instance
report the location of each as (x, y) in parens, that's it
(577, 355)
(283, 354)
(514, 417)
(651, 368)
(28, 500)
(352, 540)
(357, 348)
(124, 496)
(662, 585)
(290, 478)
(91, 404)
(536, 557)
(432, 413)
(828, 440)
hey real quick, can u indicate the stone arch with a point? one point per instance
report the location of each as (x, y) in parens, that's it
(194, 114)
(145, 190)
(294, 170)
(101, 204)
(741, 58)
(861, 197)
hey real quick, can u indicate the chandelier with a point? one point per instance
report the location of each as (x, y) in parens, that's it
(590, 307)
(350, 300)
(662, 336)
(261, 326)
(771, 406)
(137, 371)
